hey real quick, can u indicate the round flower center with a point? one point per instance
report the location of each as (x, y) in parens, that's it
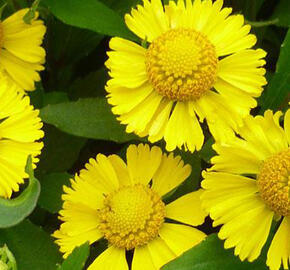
(131, 216)
(274, 183)
(181, 64)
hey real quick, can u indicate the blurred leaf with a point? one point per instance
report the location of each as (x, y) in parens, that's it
(92, 85)
(77, 259)
(90, 118)
(282, 12)
(68, 44)
(60, 151)
(54, 98)
(278, 89)
(32, 247)
(206, 153)
(89, 14)
(211, 255)
(13, 211)
(30, 15)
(124, 6)
(51, 191)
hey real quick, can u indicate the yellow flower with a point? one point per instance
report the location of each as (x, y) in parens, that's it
(123, 203)
(199, 62)
(249, 186)
(20, 128)
(21, 54)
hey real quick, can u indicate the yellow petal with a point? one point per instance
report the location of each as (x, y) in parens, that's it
(126, 64)
(265, 133)
(231, 35)
(84, 191)
(187, 209)
(243, 70)
(100, 173)
(121, 170)
(139, 117)
(68, 243)
(279, 251)
(160, 253)
(236, 158)
(24, 74)
(171, 173)
(125, 99)
(78, 218)
(142, 259)
(183, 130)
(24, 40)
(111, 259)
(142, 162)
(227, 195)
(180, 238)
(148, 21)
(13, 158)
(156, 127)
(220, 116)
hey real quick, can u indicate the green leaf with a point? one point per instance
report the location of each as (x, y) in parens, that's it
(282, 12)
(51, 191)
(30, 15)
(89, 14)
(58, 145)
(77, 259)
(211, 255)
(206, 153)
(13, 211)
(278, 90)
(32, 248)
(90, 118)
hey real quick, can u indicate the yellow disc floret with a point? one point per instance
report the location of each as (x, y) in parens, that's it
(181, 64)
(131, 216)
(274, 183)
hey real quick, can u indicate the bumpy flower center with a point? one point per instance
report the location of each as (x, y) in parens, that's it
(131, 216)
(274, 183)
(181, 64)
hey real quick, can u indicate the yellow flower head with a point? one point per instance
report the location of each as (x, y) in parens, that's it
(249, 185)
(21, 54)
(198, 62)
(123, 204)
(20, 128)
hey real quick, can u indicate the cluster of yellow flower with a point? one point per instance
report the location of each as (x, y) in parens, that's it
(198, 65)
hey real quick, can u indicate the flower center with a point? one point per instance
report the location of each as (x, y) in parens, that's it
(274, 182)
(131, 216)
(181, 64)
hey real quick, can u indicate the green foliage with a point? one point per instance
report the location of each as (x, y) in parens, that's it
(32, 248)
(282, 13)
(278, 91)
(15, 210)
(98, 123)
(51, 191)
(211, 255)
(89, 14)
(79, 124)
(76, 260)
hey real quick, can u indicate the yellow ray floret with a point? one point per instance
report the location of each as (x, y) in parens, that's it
(20, 130)
(21, 54)
(123, 203)
(198, 64)
(246, 205)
